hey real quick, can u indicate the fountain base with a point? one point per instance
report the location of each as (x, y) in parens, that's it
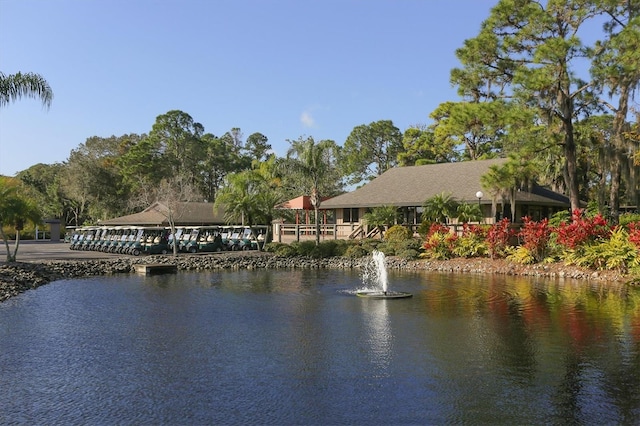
(384, 294)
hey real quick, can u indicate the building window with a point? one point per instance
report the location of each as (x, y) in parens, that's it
(350, 215)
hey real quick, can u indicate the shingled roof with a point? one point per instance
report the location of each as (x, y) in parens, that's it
(412, 186)
(187, 214)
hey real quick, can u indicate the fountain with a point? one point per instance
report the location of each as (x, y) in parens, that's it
(374, 274)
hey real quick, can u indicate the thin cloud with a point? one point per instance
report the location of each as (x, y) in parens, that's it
(307, 119)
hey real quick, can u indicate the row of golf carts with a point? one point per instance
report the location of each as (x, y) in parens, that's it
(136, 240)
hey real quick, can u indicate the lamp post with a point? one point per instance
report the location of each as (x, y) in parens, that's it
(479, 196)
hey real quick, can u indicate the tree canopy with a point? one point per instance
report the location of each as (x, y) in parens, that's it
(370, 150)
(531, 87)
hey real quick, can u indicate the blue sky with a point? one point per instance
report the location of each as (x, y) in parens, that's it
(284, 68)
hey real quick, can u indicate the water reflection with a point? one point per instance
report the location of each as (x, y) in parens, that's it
(581, 339)
(375, 314)
(298, 347)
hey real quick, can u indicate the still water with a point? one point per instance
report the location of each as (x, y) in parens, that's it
(298, 347)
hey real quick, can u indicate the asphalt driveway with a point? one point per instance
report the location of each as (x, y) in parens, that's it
(41, 250)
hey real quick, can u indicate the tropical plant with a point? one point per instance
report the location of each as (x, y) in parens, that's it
(503, 181)
(15, 211)
(535, 237)
(615, 253)
(250, 196)
(499, 238)
(30, 85)
(559, 217)
(521, 255)
(314, 164)
(634, 233)
(381, 217)
(582, 230)
(440, 243)
(628, 218)
(472, 242)
(439, 207)
(469, 213)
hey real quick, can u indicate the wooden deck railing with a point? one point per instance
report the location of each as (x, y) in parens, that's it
(286, 232)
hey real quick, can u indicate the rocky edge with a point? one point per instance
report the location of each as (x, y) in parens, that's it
(18, 277)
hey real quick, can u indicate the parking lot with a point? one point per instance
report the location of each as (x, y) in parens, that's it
(41, 250)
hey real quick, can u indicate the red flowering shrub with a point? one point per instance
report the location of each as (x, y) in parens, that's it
(437, 228)
(498, 238)
(582, 230)
(634, 233)
(472, 241)
(535, 237)
(440, 242)
(477, 230)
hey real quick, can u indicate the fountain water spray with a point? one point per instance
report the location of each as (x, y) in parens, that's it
(381, 268)
(374, 275)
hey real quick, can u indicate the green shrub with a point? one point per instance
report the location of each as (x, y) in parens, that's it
(324, 249)
(616, 253)
(329, 248)
(304, 248)
(559, 217)
(521, 254)
(626, 218)
(397, 234)
(386, 248)
(395, 239)
(411, 244)
(370, 244)
(472, 242)
(286, 250)
(356, 251)
(423, 229)
(409, 254)
(273, 247)
(341, 247)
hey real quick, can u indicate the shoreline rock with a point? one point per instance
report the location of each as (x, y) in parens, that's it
(16, 278)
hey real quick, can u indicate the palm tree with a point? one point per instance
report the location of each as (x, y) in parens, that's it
(497, 181)
(15, 210)
(250, 197)
(312, 162)
(31, 85)
(238, 198)
(439, 207)
(469, 212)
(504, 182)
(382, 217)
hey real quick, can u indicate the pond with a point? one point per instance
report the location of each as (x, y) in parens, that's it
(299, 347)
